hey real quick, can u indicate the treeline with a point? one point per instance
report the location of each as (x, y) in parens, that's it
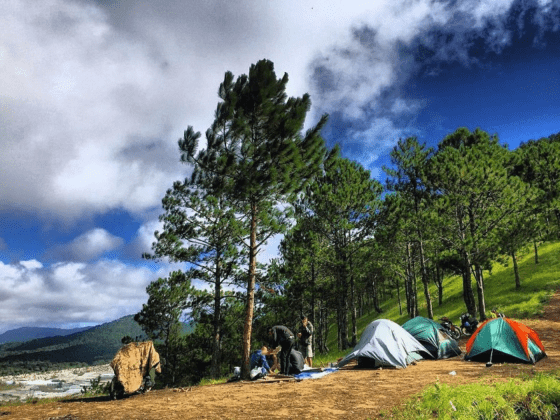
(450, 210)
(349, 241)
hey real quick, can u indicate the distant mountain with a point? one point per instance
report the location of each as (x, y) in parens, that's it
(30, 333)
(94, 345)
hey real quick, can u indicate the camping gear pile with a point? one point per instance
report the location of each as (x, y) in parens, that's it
(469, 324)
(132, 365)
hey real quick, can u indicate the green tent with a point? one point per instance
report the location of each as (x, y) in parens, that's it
(504, 340)
(432, 336)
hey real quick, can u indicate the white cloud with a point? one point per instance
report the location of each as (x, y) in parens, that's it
(95, 94)
(376, 140)
(89, 119)
(88, 246)
(67, 293)
(144, 238)
(31, 264)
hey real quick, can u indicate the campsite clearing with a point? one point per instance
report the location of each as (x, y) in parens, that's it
(347, 394)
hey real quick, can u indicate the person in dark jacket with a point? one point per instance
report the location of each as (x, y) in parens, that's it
(296, 362)
(280, 335)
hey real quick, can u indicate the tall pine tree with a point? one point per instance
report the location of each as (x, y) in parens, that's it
(262, 163)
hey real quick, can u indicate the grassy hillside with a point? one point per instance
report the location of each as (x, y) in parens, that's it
(538, 283)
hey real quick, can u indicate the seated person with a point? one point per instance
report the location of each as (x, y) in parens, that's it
(297, 362)
(259, 359)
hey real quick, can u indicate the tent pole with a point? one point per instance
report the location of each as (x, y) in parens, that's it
(491, 354)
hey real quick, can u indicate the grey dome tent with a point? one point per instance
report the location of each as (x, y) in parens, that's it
(432, 336)
(386, 343)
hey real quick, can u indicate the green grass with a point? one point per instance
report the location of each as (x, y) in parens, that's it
(209, 381)
(538, 283)
(529, 397)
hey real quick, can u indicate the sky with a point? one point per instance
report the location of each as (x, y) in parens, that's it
(95, 94)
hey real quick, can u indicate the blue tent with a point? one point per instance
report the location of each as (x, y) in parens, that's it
(432, 336)
(386, 343)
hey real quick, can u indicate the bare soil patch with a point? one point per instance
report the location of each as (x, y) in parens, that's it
(350, 393)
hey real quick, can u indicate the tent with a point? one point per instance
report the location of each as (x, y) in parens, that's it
(385, 343)
(504, 340)
(433, 337)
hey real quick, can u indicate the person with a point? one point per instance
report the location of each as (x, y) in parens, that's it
(305, 335)
(495, 314)
(296, 362)
(258, 359)
(279, 335)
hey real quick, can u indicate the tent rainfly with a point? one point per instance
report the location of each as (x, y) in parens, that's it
(385, 343)
(504, 340)
(433, 337)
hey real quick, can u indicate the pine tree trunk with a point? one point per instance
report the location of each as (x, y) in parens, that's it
(375, 292)
(215, 363)
(339, 320)
(353, 311)
(536, 252)
(411, 296)
(318, 325)
(313, 292)
(439, 278)
(248, 326)
(414, 290)
(399, 295)
(325, 325)
(468, 294)
(480, 291)
(425, 280)
(516, 270)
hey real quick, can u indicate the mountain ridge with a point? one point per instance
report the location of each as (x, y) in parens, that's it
(30, 333)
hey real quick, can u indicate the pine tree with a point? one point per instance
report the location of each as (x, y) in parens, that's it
(475, 196)
(409, 160)
(263, 161)
(344, 202)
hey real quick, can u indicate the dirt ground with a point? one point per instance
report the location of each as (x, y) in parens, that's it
(350, 393)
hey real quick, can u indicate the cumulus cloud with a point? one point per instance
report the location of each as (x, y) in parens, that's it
(86, 247)
(31, 265)
(88, 119)
(376, 140)
(362, 77)
(95, 93)
(142, 241)
(71, 292)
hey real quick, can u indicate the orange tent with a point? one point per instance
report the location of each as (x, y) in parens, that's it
(504, 339)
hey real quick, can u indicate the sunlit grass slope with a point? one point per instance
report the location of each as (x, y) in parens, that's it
(529, 397)
(538, 283)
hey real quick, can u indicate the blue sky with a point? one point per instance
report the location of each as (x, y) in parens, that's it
(95, 94)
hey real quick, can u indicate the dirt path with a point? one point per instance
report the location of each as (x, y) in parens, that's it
(350, 393)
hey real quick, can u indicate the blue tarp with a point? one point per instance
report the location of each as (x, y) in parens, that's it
(315, 374)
